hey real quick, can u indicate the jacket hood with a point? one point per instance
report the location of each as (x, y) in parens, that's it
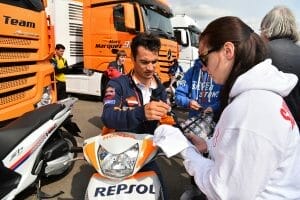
(264, 76)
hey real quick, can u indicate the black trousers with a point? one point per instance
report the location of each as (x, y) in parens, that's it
(61, 90)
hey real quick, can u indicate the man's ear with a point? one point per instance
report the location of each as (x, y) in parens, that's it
(229, 50)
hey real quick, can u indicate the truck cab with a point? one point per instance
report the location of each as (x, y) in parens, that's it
(26, 76)
(108, 26)
(187, 34)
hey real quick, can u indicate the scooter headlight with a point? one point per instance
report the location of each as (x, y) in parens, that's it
(118, 165)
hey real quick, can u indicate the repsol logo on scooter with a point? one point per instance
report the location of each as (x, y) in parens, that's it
(124, 189)
(18, 22)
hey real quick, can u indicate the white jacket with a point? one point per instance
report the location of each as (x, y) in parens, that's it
(256, 145)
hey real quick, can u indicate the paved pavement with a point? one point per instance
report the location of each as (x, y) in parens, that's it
(87, 113)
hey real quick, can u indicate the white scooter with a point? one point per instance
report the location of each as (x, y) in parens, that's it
(35, 146)
(118, 158)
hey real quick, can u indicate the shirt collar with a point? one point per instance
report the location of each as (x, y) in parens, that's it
(153, 83)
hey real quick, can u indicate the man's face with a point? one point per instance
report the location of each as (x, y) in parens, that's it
(122, 59)
(59, 52)
(113, 72)
(110, 93)
(145, 63)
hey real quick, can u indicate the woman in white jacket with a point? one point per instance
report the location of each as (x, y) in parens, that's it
(255, 150)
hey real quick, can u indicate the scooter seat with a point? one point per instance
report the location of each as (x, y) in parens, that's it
(13, 133)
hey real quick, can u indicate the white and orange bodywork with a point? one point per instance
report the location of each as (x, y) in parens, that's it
(136, 185)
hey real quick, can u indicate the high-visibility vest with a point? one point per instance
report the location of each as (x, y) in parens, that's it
(60, 63)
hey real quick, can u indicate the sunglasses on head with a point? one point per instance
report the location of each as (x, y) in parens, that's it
(204, 57)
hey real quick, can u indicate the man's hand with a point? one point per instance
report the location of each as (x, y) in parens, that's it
(199, 142)
(155, 110)
(194, 105)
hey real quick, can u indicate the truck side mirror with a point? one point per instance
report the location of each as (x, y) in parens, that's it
(129, 17)
(124, 19)
(181, 37)
(45, 3)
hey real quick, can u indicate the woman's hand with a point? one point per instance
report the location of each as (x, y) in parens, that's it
(199, 142)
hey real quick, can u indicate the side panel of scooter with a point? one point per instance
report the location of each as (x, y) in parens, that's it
(22, 158)
(143, 185)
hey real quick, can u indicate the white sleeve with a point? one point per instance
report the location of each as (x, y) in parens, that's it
(243, 162)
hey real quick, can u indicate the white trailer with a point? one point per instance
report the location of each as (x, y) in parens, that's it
(187, 33)
(66, 16)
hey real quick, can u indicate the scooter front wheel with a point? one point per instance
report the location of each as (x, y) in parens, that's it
(61, 164)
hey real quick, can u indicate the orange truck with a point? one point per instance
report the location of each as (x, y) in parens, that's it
(110, 25)
(26, 76)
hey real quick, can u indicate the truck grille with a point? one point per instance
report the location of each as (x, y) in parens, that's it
(18, 49)
(9, 55)
(13, 41)
(165, 61)
(12, 98)
(16, 81)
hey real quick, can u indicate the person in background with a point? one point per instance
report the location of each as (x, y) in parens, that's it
(60, 66)
(114, 70)
(198, 91)
(119, 62)
(175, 73)
(175, 68)
(255, 147)
(279, 28)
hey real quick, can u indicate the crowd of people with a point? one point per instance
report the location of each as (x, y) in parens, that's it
(249, 81)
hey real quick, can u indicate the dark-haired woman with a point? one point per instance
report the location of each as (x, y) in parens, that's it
(255, 150)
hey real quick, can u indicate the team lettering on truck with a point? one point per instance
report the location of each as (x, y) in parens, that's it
(18, 22)
(112, 44)
(124, 189)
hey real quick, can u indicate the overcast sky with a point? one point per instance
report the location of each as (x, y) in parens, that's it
(251, 12)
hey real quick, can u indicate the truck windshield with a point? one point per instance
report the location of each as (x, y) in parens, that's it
(35, 5)
(157, 23)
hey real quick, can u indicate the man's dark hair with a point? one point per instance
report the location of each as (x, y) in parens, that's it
(60, 46)
(146, 40)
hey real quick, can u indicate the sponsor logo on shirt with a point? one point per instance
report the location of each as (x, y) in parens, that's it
(109, 101)
(287, 115)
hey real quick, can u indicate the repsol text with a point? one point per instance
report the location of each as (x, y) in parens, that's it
(124, 189)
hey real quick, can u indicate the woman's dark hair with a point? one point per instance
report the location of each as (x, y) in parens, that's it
(250, 49)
